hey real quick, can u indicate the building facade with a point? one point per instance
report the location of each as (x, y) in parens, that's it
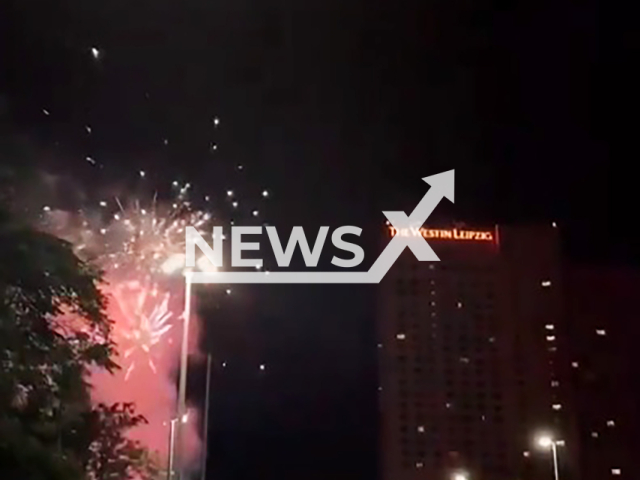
(471, 355)
(605, 332)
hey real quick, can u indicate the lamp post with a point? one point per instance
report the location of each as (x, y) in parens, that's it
(205, 433)
(547, 442)
(174, 264)
(172, 432)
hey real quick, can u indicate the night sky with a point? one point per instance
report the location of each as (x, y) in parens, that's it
(339, 109)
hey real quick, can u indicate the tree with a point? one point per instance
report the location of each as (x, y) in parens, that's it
(113, 455)
(53, 329)
(43, 364)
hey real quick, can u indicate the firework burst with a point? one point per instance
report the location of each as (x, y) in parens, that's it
(147, 320)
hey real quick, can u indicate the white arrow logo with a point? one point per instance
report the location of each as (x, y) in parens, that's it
(442, 185)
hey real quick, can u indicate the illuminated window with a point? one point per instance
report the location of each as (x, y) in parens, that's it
(616, 471)
(551, 338)
(546, 283)
(601, 332)
(401, 336)
(549, 326)
(611, 423)
(556, 406)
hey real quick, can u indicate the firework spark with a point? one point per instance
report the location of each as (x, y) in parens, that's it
(147, 320)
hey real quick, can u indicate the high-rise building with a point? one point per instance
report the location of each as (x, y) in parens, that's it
(471, 357)
(605, 332)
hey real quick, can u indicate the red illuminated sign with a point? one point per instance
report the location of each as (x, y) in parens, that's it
(448, 234)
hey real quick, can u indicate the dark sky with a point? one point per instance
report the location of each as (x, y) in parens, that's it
(338, 108)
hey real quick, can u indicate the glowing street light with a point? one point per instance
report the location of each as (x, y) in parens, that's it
(546, 441)
(460, 475)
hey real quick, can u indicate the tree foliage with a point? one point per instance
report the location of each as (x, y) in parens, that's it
(53, 330)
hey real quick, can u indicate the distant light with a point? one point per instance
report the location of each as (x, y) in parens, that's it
(142, 174)
(546, 283)
(175, 183)
(255, 213)
(459, 304)
(262, 367)
(556, 406)
(228, 291)
(574, 364)
(224, 364)
(526, 454)
(611, 423)
(616, 471)
(421, 428)
(204, 265)
(46, 112)
(229, 193)
(87, 128)
(602, 333)
(258, 266)
(173, 263)
(555, 383)
(401, 336)
(460, 476)
(46, 208)
(103, 231)
(554, 224)
(265, 193)
(551, 338)
(165, 141)
(235, 204)
(594, 434)
(545, 441)
(214, 146)
(419, 464)
(90, 160)
(103, 203)
(549, 326)
(95, 53)
(240, 167)
(185, 418)
(216, 121)
(379, 345)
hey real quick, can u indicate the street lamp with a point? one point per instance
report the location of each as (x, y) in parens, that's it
(546, 442)
(174, 264)
(172, 431)
(460, 475)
